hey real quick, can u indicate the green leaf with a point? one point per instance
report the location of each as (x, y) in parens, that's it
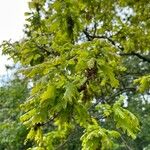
(125, 120)
(144, 83)
(71, 93)
(50, 93)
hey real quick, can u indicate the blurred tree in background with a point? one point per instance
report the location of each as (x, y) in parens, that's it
(12, 132)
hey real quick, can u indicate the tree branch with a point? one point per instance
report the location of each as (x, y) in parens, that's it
(91, 37)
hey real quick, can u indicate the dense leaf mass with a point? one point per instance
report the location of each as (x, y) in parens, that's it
(12, 132)
(82, 56)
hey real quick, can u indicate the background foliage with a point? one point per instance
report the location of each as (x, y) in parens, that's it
(12, 132)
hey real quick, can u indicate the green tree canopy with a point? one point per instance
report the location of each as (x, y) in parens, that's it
(12, 132)
(78, 54)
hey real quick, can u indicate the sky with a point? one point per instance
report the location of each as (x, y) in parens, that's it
(11, 24)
